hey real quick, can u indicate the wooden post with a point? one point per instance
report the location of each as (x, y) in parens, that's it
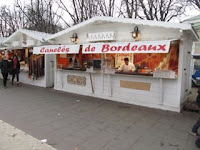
(161, 91)
(91, 83)
(110, 87)
(102, 73)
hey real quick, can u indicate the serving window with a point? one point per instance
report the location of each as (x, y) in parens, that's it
(152, 62)
(70, 61)
(77, 61)
(29, 62)
(161, 57)
(146, 63)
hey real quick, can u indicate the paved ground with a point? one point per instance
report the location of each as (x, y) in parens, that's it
(190, 104)
(72, 122)
(14, 139)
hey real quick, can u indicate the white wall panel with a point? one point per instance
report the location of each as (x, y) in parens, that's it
(132, 96)
(23, 78)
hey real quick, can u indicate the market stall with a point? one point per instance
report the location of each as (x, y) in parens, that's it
(35, 69)
(160, 52)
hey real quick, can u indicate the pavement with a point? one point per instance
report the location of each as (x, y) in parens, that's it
(15, 139)
(190, 104)
(74, 122)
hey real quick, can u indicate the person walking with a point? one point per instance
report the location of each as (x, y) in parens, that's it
(196, 126)
(15, 69)
(4, 65)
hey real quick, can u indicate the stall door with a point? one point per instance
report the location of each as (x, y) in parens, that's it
(50, 60)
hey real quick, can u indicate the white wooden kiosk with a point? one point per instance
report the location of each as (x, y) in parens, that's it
(145, 90)
(23, 41)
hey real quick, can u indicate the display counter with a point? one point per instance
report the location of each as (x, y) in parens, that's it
(75, 69)
(134, 73)
(26, 79)
(133, 89)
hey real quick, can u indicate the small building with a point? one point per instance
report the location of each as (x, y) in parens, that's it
(195, 63)
(35, 69)
(89, 54)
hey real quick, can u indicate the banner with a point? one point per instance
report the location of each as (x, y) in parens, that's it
(128, 47)
(57, 49)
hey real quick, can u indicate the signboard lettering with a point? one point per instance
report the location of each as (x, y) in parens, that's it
(57, 49)
(128, 47)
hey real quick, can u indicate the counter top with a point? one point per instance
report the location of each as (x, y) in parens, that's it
(117, 73)
(69, 69)
(24, 70)
(134, 73)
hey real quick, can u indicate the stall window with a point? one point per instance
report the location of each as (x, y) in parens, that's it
(153, 62)
(76, 61)
(32, 64)
(147, 63)
(36, 66)
(69, 61)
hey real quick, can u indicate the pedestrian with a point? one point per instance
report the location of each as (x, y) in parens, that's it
(15, 69)
(196, 126)
(4, 65)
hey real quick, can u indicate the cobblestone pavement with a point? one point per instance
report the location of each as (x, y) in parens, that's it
(14, 139)
(73, 122)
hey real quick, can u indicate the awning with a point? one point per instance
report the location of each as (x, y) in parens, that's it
(128, 47)
(57, 49)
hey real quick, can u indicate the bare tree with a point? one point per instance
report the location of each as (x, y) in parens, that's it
(39, 15)
(50, 15)
(80, 10)
(195, 3)
(129, 8)
(161, 10)
(107, 8)
(11, 20)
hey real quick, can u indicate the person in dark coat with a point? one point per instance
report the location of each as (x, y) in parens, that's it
(196, 126)
(4, 65)
(15, 69)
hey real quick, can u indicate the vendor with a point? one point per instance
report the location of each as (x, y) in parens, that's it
(127, 67)
(70, 64)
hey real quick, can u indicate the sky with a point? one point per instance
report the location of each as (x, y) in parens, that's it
(190, 12)
(6, 2)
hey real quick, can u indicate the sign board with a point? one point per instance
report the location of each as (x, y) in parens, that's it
(101, 36)
(164, 74)
(128, 47)
(57, 49)
(71, 79)
(135, 85)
